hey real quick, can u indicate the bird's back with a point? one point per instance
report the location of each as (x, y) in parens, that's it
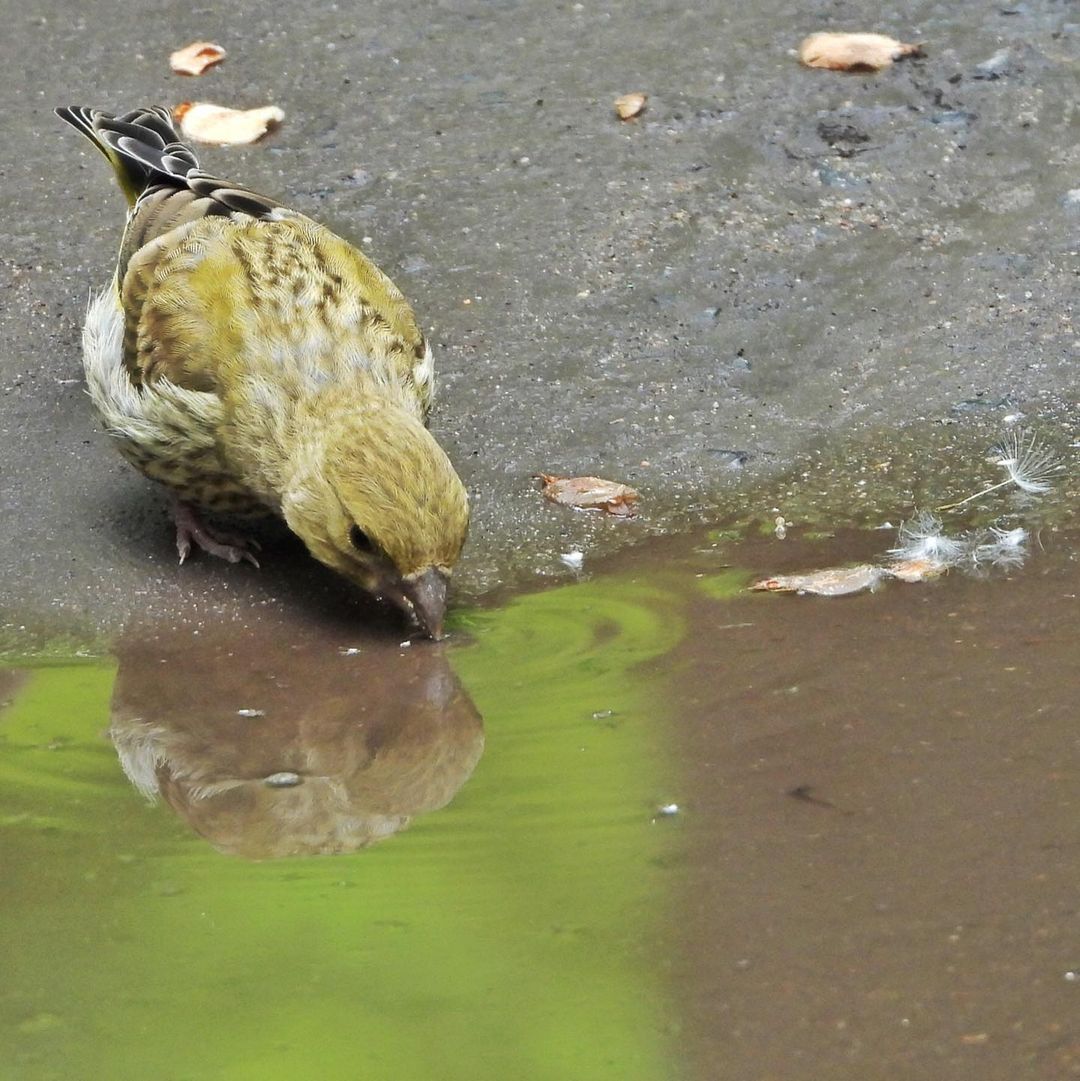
(222, 286)
(231, 304)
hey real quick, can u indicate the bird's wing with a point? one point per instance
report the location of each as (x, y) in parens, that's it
(217, 278)
(160, 175)
(284, 301)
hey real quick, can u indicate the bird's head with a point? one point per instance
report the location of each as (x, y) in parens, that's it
(376, 499)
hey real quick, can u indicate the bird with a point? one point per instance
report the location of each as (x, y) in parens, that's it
(254, 362)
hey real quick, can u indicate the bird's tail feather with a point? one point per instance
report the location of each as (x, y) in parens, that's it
(147, 156)
(142, 146)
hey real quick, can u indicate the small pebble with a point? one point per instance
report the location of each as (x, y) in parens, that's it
(733, 459)
(359, 178)
(995, 67)
(574, 560)
(285, 779)
(833, 178)
(979, 405)
(953, 118)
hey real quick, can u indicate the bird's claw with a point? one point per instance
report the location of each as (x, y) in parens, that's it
(228, 546)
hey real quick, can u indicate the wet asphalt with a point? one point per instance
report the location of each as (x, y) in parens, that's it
(770, 267)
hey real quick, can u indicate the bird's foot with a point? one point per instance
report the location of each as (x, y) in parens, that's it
(190, 529)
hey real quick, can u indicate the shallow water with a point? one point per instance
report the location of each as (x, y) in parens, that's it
(643, 825)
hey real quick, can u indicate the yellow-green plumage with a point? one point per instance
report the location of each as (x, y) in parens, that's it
(252, 360)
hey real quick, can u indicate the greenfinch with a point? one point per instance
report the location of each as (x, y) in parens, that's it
(254, 362)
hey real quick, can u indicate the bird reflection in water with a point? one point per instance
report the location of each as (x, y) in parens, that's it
(278, 741)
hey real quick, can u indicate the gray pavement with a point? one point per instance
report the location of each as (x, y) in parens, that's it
(824, 271)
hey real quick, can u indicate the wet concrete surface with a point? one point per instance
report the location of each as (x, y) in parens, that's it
(771, 260)
(880, 811)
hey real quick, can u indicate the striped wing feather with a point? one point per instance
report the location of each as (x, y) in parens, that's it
(219, 282)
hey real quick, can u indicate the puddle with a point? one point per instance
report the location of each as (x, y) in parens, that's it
(644, 825)
(281, 741)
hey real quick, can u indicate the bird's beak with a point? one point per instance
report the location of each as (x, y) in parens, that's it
(427, 592)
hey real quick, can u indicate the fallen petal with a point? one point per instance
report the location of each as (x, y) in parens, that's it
(590, 493)
(915, 570)
(832, 582)
(207, 123)
(630, 105)
(196, 58)
(853, 52)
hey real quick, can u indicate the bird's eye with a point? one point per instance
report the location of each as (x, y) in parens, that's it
(360, 540)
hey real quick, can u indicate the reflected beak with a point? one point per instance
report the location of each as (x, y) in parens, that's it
(427, 592)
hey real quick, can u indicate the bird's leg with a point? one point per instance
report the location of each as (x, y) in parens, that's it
(190, 528)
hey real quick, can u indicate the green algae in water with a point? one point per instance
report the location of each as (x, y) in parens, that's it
(517, 933)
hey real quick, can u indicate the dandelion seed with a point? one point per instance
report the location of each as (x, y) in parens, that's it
(1028, 465)
(1010, 538)
(1005, 549)
(1009, 557)
(922, 539)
